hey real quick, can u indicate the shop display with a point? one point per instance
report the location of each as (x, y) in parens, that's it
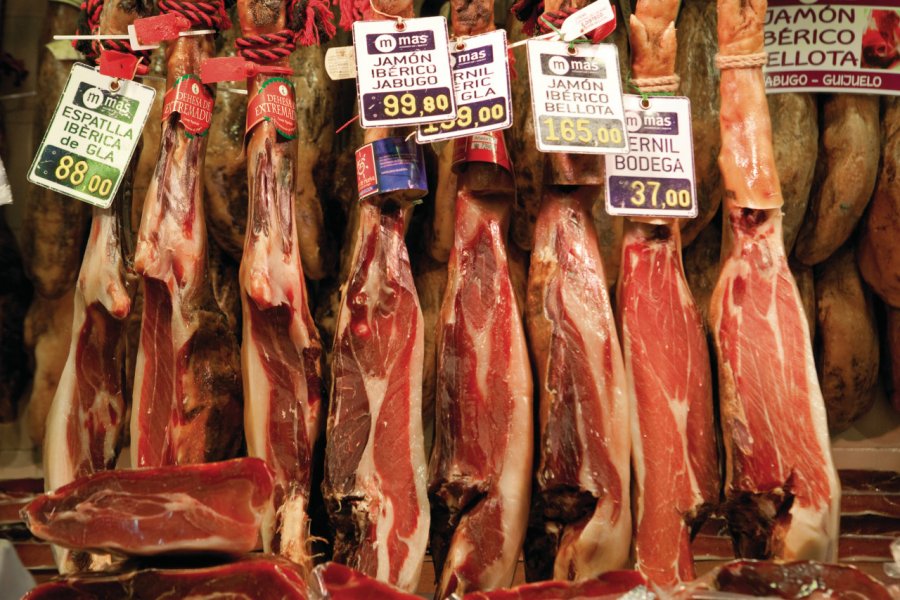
(781, 486)
(632, 313)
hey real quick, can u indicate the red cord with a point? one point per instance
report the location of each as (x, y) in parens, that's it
(201, 13)
(267, 47)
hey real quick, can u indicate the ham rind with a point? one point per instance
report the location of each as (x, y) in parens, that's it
(375, 457)
(609, 586)
(803, 579)
(215, 507)
(187, 389)
(281, 351)
(582, 479)
(673, 438)
(781, 486)
(250, 579)
(375, 464)
(676, 470)
(480, 471)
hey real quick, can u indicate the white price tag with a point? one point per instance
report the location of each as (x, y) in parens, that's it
(594, 15)
(340, 62)
(403, 74)
(576, 97)
(656, 177)
(92, 136)
(481, 89)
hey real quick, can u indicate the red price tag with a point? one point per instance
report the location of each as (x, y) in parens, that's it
(150, 31)
(235, 68)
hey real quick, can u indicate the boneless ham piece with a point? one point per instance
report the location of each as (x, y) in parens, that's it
(214, 507)
(264, 578)
(802, 579)
(781, 487)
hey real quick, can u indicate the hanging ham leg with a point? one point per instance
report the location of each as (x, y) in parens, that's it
(281, 349)
(375, 457)
(583, 475)
(781, 486)
(673, 440)
(187, 388)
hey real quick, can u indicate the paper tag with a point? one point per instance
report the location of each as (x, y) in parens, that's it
(92, 136)
(656, 177)
(833, 46)
(481, 88)
(481, 147)
(340, 63)
(598, 14)
(576, 98)
(391, 165)
(403, 76)
(275, 103)
(193, 102)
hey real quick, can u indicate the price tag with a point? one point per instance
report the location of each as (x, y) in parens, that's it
(481, 89)
(656, 177)
(391, 165)
(596, 15)
(92, 136)
(576, 97)
(403, 75)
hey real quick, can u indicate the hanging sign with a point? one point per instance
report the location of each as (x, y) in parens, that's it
(403, 72)
(92, 136)
(833, 46)
(576, 97)
(481, 88)
(656, 177)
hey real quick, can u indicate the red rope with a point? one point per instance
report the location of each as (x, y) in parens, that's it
(201, 13)
(267, 47)
(89, 24)
(311, 22)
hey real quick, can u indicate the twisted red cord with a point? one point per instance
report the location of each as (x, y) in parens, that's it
(201, 13)
(89, 24)
(266, 47)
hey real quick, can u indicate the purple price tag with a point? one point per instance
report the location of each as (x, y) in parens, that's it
(642, 193)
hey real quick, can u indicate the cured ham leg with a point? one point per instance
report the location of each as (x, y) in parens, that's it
(281, 352)
(582, 476)
(781, 487)
(374, 484)
(480, 472)
(187, 387)
(673, 439)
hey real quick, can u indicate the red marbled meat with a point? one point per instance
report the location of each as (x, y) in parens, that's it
(609, 586)
(676, 469)
(583, 475)
(375, 458)
(339, 582)
(480, 471)
(795, 580)
(214, 507)
(250, 579)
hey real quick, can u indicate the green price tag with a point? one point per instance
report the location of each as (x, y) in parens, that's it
(92, 136)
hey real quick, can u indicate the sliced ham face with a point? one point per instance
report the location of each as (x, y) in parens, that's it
(609, 586)
(187, 388)
(676, 469)
(796, 580)
(582, 521)
(215, 507)
(480, 471)
(781, 486)
(375, 457)
(250, 579)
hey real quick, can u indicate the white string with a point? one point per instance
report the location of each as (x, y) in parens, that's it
(126, 36)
